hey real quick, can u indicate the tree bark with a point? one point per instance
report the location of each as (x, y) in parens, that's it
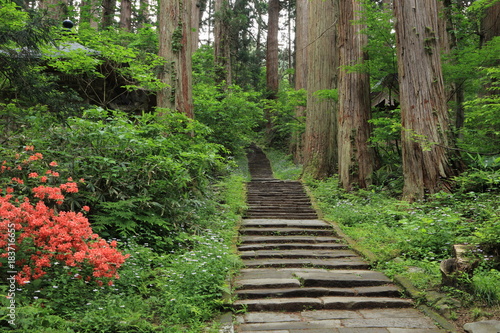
(126, 15)
(56, 9)
(301, 32)
(272, 77)
(320, 145)
(143, 14)
(356, 158)
(490, 24)
(108, 13)
(424, 116)
(175, 47)
(222, 43)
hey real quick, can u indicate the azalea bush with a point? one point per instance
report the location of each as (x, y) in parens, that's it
(36, 236)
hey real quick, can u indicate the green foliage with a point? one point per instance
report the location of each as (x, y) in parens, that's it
(486, 286)
(381, 47)
(283, 165)
(143, 174)
(232, 115)
(411, 239)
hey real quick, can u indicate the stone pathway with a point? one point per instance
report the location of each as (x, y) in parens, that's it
(299, 276)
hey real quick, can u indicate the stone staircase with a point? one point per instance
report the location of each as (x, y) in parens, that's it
(299, 276)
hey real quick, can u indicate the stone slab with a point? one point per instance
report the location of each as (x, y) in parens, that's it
(330, 314)
(297, 254)
(291, 246)
(267, 283)
(340, 263)
(416, 330)
(284, 239)
(285, 223)
(352, 303)
(421, 322)
(391, 313)
(485, 326)
(344, 279)
(305, 325)
(279, 304)
(263, 317)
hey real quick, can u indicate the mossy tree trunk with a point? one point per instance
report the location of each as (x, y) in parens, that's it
(175, 47)
(426, 162)
(320, 140)
(301, 34)
(356, 158)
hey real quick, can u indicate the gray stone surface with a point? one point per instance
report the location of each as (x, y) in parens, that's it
(486, 326)
(268, 283)
(421, 322)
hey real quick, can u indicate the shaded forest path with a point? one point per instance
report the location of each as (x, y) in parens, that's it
(299, 276)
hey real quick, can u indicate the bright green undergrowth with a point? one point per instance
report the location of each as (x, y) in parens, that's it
(412, 239)
(180, 291)
(283, 165)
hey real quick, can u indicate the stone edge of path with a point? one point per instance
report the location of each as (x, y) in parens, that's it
(226, 319)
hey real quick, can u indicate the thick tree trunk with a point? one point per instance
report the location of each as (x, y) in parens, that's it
(195, 26)
(108, 13)
(490, 24)
(320, 145)
(126, 15)
(222, 43)
(56, 9)
(143, 14)
(89, 13)
(423, 102)
(301, 33)
(356, 158)
(272, 77)
(175, 46)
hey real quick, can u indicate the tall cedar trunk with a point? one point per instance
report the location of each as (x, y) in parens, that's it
(300, 71)
(126, 15)
(222, 42)
(320, 141)
(195, 26)
(272, 77)
(175, 46)
(356, 158)
(89, 13)
(143, 14)
(449, 41)
(108, 13)
(490, 24)
(423, 102)
(56, 9)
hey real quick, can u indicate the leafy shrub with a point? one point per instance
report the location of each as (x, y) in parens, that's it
(38, 238)
(232, 115)
(143, 174)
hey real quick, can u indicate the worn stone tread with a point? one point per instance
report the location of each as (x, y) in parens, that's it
(288, 239)
(376, 291)
(291, 246)
(340, 263)
(260, 254)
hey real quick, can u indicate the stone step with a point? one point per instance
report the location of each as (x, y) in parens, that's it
(292, 246)
(285, 223)
(320, 303)
(405, 320)
(282, 210)
(270, 215)
(286, 231)
(338, 263)
(375, 291)
(263, 254)
(248, 239)
(311, 277)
